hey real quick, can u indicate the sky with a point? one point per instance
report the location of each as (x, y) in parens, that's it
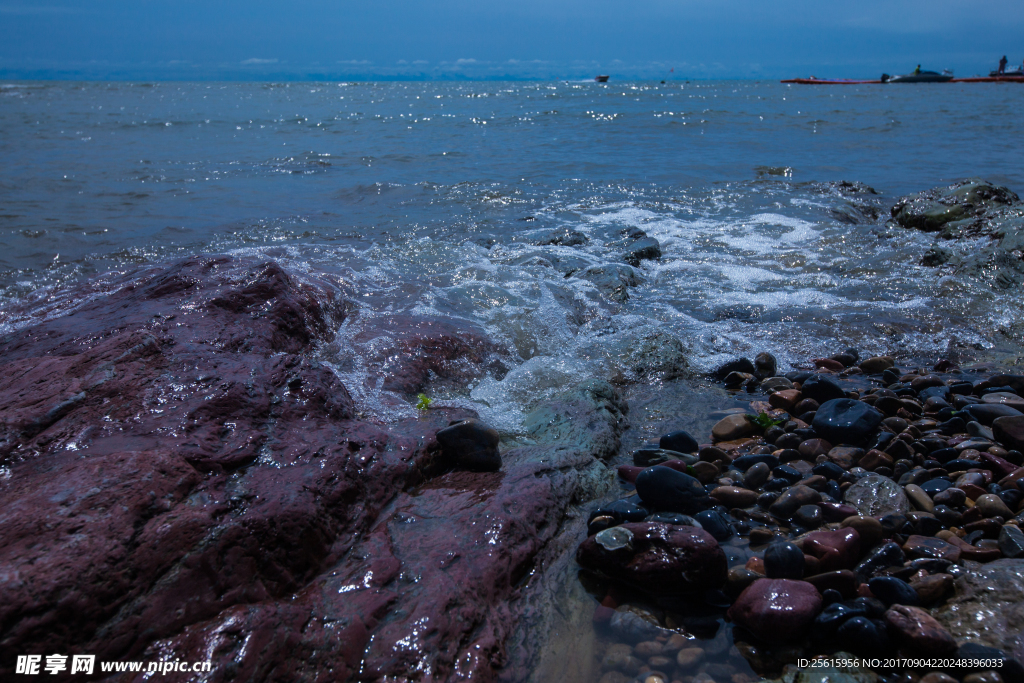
(491, 39)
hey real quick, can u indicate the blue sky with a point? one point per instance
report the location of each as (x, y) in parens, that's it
(259, 39)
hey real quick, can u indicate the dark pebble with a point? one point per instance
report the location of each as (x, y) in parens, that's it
(808, 516)
(783, 560)
(621, 511)
(862, 636)
(715, 523)
(668, 490)
(893, 591)
(821, 388)
(744, 462)
(886, 555)
(948, 516)
(789, 441)
(833, 616)
(831, 596)
(933, 486)
(673, 518)
(777, 485)
(846, 421)
(829, 470)
(790, 474)
(680, 441)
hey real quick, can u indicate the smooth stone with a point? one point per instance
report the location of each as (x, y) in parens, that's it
(790, 474)
(705, 472)
(836, 512)
(842, 581)
(646, 457)
(472, 444)
(757, 475)
(992, 505)
(735, 365)
(621, 511)
(668, 490)
(862, 636)
(846, 421)
(870, 529)
(689, 657)
(917, 631)
(664, 557)
(1009, 431)
(948, 516)
(783, 560)
(926, 546)
(734, 496)
(932, 588)
(785, 399)
(835, 548)
(680, 442)
(987, 413)
(673, 518)
(1011, 541)
(634, 628)
(875, 495)
(715, 523)
(893, 591)
(745, 462)
(886, 555)
(979, 430)
(812, 448)
(829, 470)
(776, 610)
(808, 517)
(786, 505)
(775, 384)
(765, 365)
(933, 487)
(821, 388)
(876, 364)
(918, 498)
(845, 456)
(735, 427)
(833, 616)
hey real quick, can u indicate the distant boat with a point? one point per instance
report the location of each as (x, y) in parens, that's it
(920, 77)
(1017, 72)
(828, 81)
(601, 79)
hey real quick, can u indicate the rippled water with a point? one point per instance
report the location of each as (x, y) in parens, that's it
(427, 198)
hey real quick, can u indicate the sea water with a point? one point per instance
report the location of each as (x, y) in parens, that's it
(428, 199)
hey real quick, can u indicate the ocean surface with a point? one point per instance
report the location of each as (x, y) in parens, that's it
(428, 198)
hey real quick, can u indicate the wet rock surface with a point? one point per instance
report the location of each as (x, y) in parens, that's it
(872, 523)
(181, 476)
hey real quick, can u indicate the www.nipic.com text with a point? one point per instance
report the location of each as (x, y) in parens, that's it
(86, 664)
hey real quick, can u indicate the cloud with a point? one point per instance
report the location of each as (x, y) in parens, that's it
(465, 61)
(257, 60)
(355, 62)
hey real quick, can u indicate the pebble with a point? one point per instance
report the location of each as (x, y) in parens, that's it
(680, 442)
(992, 505)
(734, 496)
(822, 388)
(891, 590)
(786, 505)
(667, 489)
(735, 427)
(757, 475)
(846, 421)
(776, 610)
(472, 444)
(919, 632)
(808, 517)
(869, 529)
(689, 657)
(876, 495)
(1011, 541)
(918, 498)
(862, 636)
(783, 560)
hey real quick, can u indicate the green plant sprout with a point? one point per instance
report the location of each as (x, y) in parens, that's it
(765, 422)
(424, 402)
